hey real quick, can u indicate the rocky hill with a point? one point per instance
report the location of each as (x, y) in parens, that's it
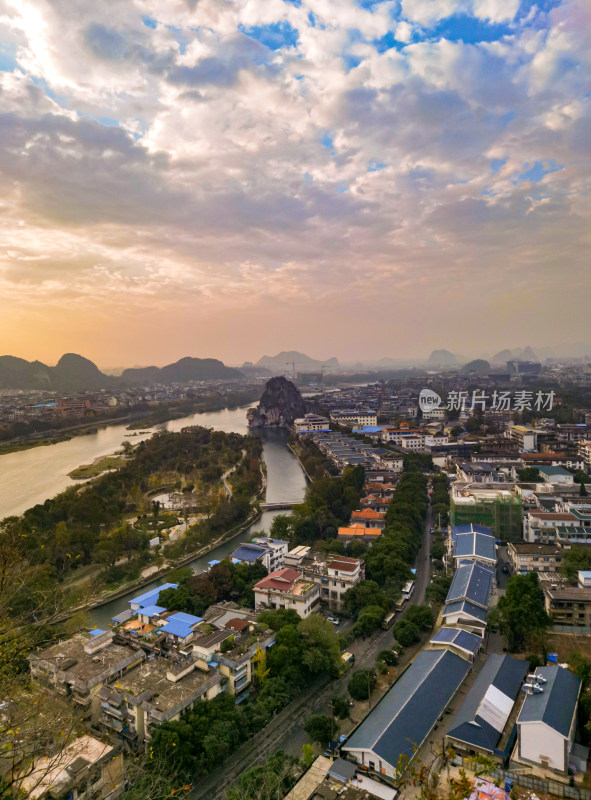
(284, 360)
(74, 373)
(280, 404)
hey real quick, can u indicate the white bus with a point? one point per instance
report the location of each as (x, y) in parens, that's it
(408, 590)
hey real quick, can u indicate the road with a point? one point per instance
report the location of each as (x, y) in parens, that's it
(286, 730)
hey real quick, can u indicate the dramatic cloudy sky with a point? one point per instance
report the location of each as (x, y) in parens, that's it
(233, 177)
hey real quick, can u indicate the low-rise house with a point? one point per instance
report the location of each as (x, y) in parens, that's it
(369, 518)
(476, 472)
(556, 475)
(180, 628)
(157, 691)
(150, 597)
(485, 722)
(474, 545)
(463, 643)
(359, 533)
(285, 588)
(547, 721)
(404, 717)
(552, 527)
(80, 666)
(85, 768)
(310, 423)
(243, 660)
(277, 549)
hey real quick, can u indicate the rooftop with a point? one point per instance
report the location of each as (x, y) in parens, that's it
(471, 582)
(556, 704)
(468, 642)
(71, 657)
(406, 714)
(150, 597)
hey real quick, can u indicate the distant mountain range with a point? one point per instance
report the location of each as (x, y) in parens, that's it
(75, 373)
(284, 360)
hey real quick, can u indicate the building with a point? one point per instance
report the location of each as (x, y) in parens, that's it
(78, 667)
(534, 557)
(358, 532)
(405, 716)
(473, 545)
(240, 662)
(86, 768)
(369, 518)
(465, 644)
(568, 605)
(467, 601)
(343, 574)
(558, 527)
(180, 628)
(310, 423)
(268, 552)
(413, 443)
(476, 472)
(355, 418)
(556, 475)
(584, 451)
(547, 721)
(485, 722)
(151, 597)
(286, 588)
(157, 691)
(526, 438)
(496, 506)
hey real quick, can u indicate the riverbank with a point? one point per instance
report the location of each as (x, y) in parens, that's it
(63, 435)
(299, 460)
(169, 566)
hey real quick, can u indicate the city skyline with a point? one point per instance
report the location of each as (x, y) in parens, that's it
(351, 179)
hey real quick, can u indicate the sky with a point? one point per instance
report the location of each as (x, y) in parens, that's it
(228, 178)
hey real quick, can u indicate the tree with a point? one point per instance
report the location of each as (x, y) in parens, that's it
(529, 475)
(574, 560)
(521, 612)
(369, 619)
(421, 616)
(406, 632)
(321, 645)
(321, 728)
(340, 707)
(389, 657)
(361, 684)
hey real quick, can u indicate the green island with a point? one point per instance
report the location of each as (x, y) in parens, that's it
(101, 530)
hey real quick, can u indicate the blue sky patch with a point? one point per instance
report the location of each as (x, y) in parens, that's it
(326, 141)
(467, 29)
(149, 22)
(350, 61)
(537, 170)
(375, 166)
(274, 36)
(497, 163)
(388, 42)
(7, 57)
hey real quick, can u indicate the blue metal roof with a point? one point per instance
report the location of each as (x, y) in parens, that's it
(249, 552)
(187, 619)
(471, 582)
(473, 723)
(96, 632)
(475, 544)
(465, 607)
(177, 628)
(458, 637)
(471, 527)
(408, 711)
(151, 611)
(151, 597)
(557, 704)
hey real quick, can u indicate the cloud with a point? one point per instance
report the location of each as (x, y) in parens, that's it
(180, 167)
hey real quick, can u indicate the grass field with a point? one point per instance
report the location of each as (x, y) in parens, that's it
(97, 467)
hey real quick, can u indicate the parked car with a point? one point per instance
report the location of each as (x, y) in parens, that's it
(334, 620)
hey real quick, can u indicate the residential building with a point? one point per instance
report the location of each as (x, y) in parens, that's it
(584, 451)
(268, 552)
(239, 663)
(526, 438)
(413, 443)
(475, 472)
(157, 691)
(78, 667)
(547, 721)
(180, 628)
(473, 545)
(534, 557)
(85, 768)
(343, 574)
(356, 418)
(568, 605)
(358, 532)
(405, 716)
(369, 518)
(150, 597)
(552, 527)
(310, 423)
(285, 588)
(485, 722)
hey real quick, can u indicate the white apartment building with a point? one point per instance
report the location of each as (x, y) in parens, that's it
(310, 423)
(286, 588)
(413, 443)
(355, 418)
(343, 573)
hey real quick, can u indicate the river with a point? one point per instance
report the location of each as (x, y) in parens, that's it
(31, 476)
